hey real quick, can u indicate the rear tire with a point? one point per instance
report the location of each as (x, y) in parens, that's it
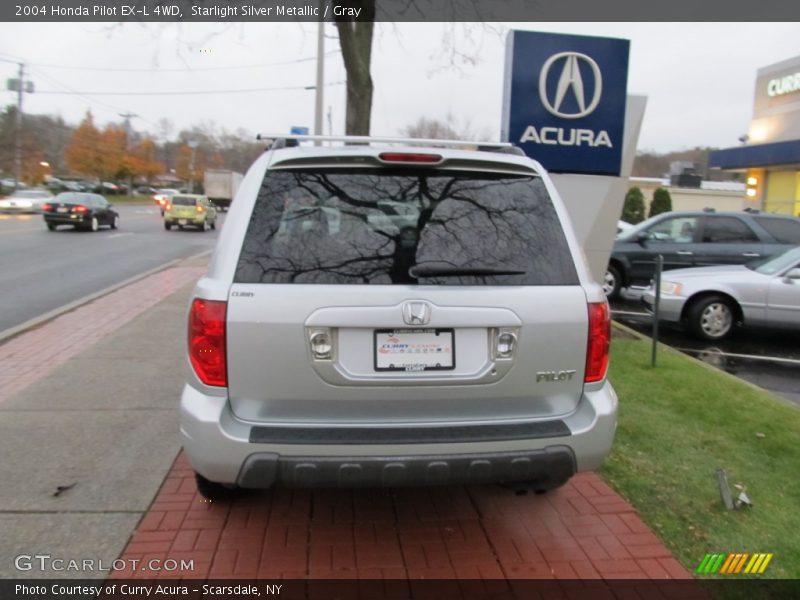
(52, 226)
(95, 224)
(213, 224)
(211, 490)
(612, 283)
(115, 222)
(167, 226)
(712, 318)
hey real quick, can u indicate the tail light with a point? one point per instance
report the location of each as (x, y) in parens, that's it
(168, 207)
(199, 208)
(47, 207)
(599, 339)
(410, 157)
(207, 341)
(80, 209)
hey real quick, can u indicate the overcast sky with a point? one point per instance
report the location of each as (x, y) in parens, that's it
(698, 77)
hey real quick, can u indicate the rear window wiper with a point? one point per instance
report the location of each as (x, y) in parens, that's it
(418, 271)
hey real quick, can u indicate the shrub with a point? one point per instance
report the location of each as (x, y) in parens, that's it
(633, 210)
(662, 202)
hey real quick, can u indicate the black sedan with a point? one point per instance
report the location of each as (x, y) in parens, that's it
(81, 210)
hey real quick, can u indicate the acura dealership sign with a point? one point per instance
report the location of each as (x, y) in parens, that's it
(564, 100)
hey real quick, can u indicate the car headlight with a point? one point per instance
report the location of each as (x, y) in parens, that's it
(671, 288)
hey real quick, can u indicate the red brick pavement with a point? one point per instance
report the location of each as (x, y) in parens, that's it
(583, 530)
(36, 353)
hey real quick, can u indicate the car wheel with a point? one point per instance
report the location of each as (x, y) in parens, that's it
(212, 490)
(115, 222)
(612, 282)
(205, 226)
(213, 224)
(52, 226)
(712, 318)
(95, 224)
(167, 226)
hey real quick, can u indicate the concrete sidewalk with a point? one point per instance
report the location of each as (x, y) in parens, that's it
(92, 470)
(89, 422)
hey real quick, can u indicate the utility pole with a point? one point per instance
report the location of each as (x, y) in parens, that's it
(128, 116)
(193, 145)
(18, 145)
(320, 78)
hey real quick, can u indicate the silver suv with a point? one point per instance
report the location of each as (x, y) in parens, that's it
(396, 315)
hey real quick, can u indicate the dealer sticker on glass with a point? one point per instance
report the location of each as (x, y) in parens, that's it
(414, 350)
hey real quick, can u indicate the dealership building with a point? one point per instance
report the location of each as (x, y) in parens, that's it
(770, 154)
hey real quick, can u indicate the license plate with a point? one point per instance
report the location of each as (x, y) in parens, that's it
(415, 350)
(181, 221)
(62, 209)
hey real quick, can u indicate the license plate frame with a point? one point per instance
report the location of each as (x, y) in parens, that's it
(62, 209)
(182, 221)
(421, 344)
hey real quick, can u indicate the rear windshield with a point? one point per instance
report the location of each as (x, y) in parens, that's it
(404, 227)
(183, 201)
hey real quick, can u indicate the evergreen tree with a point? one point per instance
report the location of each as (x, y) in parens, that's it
(633, 210)
(662, 202)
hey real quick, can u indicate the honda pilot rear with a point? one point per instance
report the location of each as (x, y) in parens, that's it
(396, 316)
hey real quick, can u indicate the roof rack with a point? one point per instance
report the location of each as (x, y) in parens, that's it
(282, 140)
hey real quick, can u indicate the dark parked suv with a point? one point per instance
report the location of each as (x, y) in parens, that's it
(696, 239)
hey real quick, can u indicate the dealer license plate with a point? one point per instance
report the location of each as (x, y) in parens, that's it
(415, 350)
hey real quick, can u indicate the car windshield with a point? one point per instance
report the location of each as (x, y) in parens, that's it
(72, 198)
(183, 201)
(351, 226)
(629, 235)
(776, 264)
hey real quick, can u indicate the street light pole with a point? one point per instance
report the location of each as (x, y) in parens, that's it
(320, 79)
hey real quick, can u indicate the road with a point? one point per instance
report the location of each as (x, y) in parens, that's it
(769, 358)
(42, 270)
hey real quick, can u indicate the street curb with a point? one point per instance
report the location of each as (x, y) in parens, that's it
(57, 312)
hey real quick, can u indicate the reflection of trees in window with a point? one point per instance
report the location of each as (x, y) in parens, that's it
(371, 227)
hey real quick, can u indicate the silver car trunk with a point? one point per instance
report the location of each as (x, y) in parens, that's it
(273, 377)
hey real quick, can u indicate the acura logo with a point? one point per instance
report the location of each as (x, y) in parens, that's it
(416, 313)
(570, 79)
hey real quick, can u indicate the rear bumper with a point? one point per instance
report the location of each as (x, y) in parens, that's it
(227, 450)
(67, 218)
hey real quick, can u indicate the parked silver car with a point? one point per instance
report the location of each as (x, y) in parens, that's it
(382, 315)
(713, 300)
(25, 201)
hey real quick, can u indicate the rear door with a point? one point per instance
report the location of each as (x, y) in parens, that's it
(412, 277)
(727, 240)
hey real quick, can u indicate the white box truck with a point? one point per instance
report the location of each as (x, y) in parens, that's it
(220, 186)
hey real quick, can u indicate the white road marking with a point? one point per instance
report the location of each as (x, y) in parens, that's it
(116, 235)
(789, 361)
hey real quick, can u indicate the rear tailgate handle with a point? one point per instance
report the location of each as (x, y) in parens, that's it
(751, 254)
(685, 252)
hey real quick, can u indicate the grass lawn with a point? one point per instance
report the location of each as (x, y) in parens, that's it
(680, 422)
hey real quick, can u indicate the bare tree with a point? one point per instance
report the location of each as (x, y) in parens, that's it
(355, 40)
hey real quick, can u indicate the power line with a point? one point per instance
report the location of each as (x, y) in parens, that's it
(192, 92)
(181, 70)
